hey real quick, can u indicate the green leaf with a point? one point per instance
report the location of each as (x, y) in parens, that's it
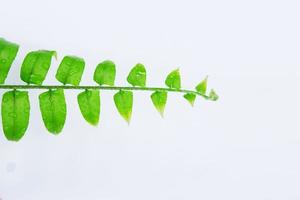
(123, 101)
(105, 73)
(36, 65)
(89, 104)
(70, 70)
(8, 52)
(15, 114)
(173, 80)
(137, 76)
(213, 95)
(190, 97)
(202, 86)
(159, 100)
(53, 109)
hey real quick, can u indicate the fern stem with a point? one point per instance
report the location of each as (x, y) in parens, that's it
(70, 87)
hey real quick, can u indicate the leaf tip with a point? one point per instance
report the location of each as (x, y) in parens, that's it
(54, 53)
(127, 118)
(161, 113)
(94, 124)
(213, 95)
(173, 79)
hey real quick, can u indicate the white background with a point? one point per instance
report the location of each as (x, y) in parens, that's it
(245, 146)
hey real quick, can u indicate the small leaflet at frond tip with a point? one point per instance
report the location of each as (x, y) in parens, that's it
(190, 97)
(159, 100)
(124, 101)
(213, 95)
(202, 86)
(173, 79)
(137, 75)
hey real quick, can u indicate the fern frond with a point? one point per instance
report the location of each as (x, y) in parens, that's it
(15, 110)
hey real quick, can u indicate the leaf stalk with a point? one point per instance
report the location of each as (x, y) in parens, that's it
(86, 87)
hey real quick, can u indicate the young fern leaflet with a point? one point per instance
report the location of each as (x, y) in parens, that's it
(15, 107)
